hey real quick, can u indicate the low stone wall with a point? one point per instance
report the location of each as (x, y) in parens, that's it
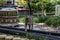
(6, 37)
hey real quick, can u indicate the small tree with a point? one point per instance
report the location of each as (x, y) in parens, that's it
(41, 5)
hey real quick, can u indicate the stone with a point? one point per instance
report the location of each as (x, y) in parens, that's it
(17, 38)
(9, 38)
(2, 37)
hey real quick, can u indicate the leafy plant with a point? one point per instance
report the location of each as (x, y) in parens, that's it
(42, 18)
(36, 19)
(53, 20)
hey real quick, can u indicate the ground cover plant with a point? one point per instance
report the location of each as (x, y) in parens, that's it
(49, 20)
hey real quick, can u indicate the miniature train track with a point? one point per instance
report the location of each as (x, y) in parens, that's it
(13, 30)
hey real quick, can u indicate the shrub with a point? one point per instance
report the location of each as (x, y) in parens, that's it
(49, 20)
(36, 19)
(43, 18)
(21, 18)
(53, 20)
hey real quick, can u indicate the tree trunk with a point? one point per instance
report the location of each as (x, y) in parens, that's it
(45, 12)
(42, 10)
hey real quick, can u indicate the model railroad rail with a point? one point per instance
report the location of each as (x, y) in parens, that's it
(13, 30)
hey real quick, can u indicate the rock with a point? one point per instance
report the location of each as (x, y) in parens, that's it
(17, 38)
(9, 38)
(2, 37)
